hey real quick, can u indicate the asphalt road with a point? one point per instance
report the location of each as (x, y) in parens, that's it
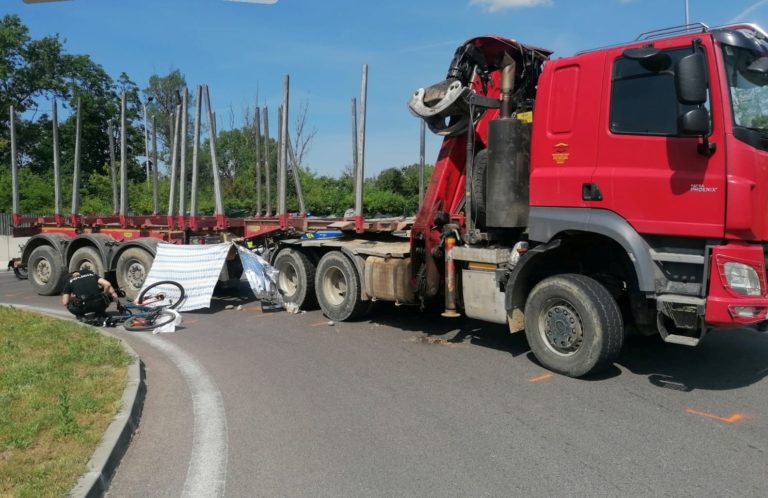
(410, 404)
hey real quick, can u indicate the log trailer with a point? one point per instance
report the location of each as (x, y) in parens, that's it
(577, 199)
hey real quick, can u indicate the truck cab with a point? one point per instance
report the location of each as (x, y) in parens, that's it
(643, 171)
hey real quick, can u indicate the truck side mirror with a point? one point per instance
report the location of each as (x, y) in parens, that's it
(695, 122)
(691, 79)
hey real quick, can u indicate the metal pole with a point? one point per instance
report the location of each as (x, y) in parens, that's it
(422, 158)
(183, 155)
(279, 152)
(257, 132)
(296, 168)
(687, 14)
(112, 166)
(76, 171)
(56, 163)
(155, 180)
(361, 151)
(267, 166)
(214, 159)
(146, 140)
(354, 144)
(14, 168)
(281, 206)
(174, 165)
(123, 161)
(195, 150)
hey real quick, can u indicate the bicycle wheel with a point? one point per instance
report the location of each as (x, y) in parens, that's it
(149, 322)
(172, 292)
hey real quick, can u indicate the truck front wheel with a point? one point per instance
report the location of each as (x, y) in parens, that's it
(296, 279)
(573, 325)
(338, 288)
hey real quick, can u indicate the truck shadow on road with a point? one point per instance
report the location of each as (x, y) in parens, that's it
(725, 360)
(435, 329)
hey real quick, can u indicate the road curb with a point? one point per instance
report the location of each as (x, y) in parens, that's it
(113, 445)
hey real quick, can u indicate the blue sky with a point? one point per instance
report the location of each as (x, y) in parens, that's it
(242, 50)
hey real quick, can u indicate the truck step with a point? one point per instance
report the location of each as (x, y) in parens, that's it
(683, 340)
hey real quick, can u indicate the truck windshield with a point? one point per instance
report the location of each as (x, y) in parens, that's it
(748, 89)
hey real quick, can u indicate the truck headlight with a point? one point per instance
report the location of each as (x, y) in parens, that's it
(742, 279)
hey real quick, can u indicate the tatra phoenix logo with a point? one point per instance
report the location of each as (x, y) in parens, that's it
(561, 154)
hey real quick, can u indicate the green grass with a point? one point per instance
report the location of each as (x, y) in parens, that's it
(60, 387)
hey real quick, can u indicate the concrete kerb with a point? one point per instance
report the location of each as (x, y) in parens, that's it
(104, 461)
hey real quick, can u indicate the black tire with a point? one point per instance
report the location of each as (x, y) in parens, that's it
(296, 279)
(21, 272)
(176, 293)
(132, 269)
(46, 271)
(337, 286)
(573, 325)
(138, 323)
(479, 169)
(87, 258)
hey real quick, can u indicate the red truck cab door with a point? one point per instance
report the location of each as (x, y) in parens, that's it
(646, 170)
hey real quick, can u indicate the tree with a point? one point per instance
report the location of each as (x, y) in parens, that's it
(163, 95)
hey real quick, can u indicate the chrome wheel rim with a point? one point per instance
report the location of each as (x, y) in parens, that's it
(561, 328)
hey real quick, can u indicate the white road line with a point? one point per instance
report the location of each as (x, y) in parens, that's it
(207, 471)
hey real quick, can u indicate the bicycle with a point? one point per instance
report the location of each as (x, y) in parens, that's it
(151, 308)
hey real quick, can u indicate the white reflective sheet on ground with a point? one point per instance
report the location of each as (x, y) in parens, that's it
(262, 277)
(196, 268)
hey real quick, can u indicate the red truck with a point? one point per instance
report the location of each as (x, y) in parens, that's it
(578, 198)
(618, 189)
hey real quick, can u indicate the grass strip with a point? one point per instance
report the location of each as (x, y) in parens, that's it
(60, 387)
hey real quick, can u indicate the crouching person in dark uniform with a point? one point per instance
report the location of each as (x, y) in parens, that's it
(86, 292)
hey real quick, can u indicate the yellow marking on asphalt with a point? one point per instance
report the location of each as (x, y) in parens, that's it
(736, 417)
(11, 295)
(539, 378)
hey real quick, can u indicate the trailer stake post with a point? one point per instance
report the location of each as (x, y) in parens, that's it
(195, 166)
(74, 216)
(267, 166)
(257, 137)
(220, 221)
(354, 147)
(296, 169)
(123, 163)
(183, 159)
(16, 216)
(113, 167)
(174, 167)
(284, 151)
(360, 175)
(56, 165)
(155, 187)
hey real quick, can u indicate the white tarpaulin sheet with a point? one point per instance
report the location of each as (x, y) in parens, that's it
(196, 268)
(261, 276)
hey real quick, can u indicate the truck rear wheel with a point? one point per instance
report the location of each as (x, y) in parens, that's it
(46, 271)
(87, 258)
(132, 269)
(573, 325)
(338, 288)
(296, 280)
